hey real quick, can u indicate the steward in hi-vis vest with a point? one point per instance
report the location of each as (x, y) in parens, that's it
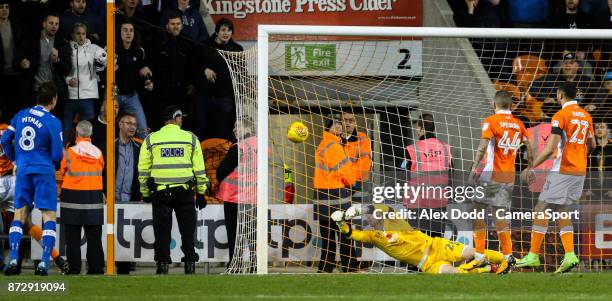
(429, 161)
(334, 175)
(82, 201)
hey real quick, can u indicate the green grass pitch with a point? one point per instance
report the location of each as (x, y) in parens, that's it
(371, 287)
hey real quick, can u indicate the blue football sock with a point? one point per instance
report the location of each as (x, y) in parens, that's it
(15, 234)
(48, 241)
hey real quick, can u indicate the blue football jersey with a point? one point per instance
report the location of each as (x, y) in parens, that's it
(34, 141)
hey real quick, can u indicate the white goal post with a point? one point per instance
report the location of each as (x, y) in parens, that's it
(264, 34)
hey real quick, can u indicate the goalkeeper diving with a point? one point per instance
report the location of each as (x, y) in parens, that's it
(433, 255)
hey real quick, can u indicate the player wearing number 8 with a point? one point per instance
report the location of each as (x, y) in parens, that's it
(34, 142)
(571, 140)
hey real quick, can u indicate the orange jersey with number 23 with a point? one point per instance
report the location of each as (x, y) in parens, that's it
(575, 126)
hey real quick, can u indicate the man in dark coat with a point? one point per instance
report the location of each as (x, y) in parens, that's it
(45, 57)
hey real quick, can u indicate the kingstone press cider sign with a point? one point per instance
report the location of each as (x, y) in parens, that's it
(329, 55)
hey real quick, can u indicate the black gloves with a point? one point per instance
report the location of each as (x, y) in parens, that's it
(200, 201)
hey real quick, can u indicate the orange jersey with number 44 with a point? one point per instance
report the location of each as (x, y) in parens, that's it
(505, 134)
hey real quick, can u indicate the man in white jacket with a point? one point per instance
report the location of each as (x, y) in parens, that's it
(82, 80)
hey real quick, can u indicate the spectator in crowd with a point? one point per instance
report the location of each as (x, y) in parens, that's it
(126, 154)
(78, 14)
(600, 107)
(544, 89)
(528, 13)
(585, 67)
(82, 80)
(600, 164)
(82, 201)
(128, 10)
(171, 61)
(477, 13)
(333, 174)
(126, 169)
(229, 177)
(216, 104)
(11, 36)
(131, 73)
(424, 158)
(45, 57)
(570, 16)
(193, 25)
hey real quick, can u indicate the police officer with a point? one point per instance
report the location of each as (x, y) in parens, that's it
(170, 165)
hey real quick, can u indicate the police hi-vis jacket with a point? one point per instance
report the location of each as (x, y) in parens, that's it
(171, 156)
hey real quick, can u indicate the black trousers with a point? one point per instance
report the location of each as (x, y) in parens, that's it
(330, 236)
(230, 211)
(246, 214)
(181, 201)
(95, 254)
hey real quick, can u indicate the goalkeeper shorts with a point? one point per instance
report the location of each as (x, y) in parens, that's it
(442, 252)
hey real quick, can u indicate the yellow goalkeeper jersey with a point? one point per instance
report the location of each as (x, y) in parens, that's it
(407, 246)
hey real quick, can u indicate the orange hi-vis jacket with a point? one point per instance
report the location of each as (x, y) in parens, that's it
(539, 138)
(82, 166)
(360, 154)
(6, 166)
(334, 169)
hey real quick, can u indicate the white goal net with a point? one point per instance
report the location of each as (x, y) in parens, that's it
(389, 88)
